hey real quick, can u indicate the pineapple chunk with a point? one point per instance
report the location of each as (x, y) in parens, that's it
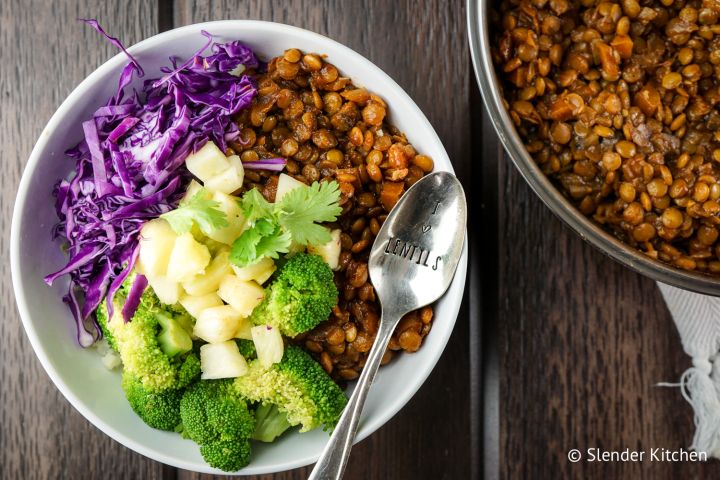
(295, 247)
(236, 221)
(285, 184)
(244, 331)
(268, 343)
(167, 291)
(157, 239)
(207, 162)
(259, 271)
(213, 246)
(188, 258)
(237, 164)
(228, 180)
(242, 296)
(199, 235)
(210, 281)
(192, 190)
(217, 324)
(221, 360)
(330, 252)
(196, 304)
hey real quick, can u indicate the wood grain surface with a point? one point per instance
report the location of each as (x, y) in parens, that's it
(45, 53)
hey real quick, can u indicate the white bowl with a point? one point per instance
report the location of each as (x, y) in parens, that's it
(78, 373)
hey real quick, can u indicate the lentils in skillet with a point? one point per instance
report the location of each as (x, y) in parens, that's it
(617, 102)
(329, 129)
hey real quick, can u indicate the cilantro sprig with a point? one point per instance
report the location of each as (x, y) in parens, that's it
(200, 210)
(274, 227)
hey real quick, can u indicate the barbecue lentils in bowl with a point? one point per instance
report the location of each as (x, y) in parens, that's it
(617, 102)
(329, 129)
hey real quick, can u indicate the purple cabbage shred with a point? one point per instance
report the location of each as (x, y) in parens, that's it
(276, 164)
(129, 167)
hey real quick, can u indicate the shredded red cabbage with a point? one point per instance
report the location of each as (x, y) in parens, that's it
(127, 168)
(132, 301)
(276, 164)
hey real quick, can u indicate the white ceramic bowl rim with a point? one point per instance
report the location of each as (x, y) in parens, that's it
(116, 63)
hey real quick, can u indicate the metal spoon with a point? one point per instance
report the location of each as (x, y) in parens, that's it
(412, 262)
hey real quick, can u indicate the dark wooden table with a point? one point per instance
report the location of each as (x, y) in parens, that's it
(569, 346)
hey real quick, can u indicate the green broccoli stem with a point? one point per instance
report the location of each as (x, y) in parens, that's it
(270, 423)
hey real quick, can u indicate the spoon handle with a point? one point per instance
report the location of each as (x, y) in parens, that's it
(331, 464)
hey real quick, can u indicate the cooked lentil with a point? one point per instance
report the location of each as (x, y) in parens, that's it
(617, 103)
(329, 129)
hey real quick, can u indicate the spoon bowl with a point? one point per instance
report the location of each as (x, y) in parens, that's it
(416, 252)
(412, 263)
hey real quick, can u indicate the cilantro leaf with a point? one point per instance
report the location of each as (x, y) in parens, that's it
(272, 245)
(263, 239)
(254, 206)
(302, 207)
(200, 210)
(273, 227)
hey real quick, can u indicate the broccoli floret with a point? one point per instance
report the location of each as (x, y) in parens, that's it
(270, 422)
(301, 296)
(147, 301)
(216, 417)
(188, 370)
(141, 351)
(299, 387)
(247, 348)
(228, 456)
(101, 314)
(157, 409)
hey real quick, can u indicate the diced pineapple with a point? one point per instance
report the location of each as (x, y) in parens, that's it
(237, 71)
(236, 221)
(236, 163)
(285, 184)
(221, 360)
(244, 330)
(214, 273)
(268, 343)
(228, 180)
(198, 235)
(217, 324)
(196, 304)
(188, 258)
(259, 271)
(330, 252)
(167, 291)
(193, 188)
(295, 247)
(157, 239)
(243, 296)
(207, 162)
(214, 246)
